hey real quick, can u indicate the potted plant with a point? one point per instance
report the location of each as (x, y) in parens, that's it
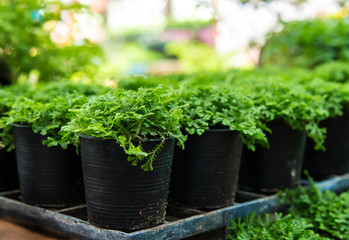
(8, 169)
(217, 121)
(291, 113)
(126, 140)
(51, 175)
(335, 160)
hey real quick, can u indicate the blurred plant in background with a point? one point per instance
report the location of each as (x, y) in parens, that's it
(37, 42)
(308, 43)
(47, 40)
(196, 56)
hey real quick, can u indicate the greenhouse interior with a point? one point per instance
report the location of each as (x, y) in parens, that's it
(174, 119)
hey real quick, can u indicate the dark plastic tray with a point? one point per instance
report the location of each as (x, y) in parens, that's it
(180, 222)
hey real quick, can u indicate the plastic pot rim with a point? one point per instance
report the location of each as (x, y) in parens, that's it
(212, 130)
(19, 125)
(220, 130)
(113, 139)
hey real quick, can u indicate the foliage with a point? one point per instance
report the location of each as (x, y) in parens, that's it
(196, 56)
(333, 71)
(180, 81)
(44, 118)
(318, 82)
(308, 43)
(270, 228)
(137, 81)
(327, 212)
(26, 47)
(310, 212)
(222, 108)
(129, 117)
(46, 91)
(8, 95)
(43, 106)
(189, 24)
(336, 95)
(290, 102)
(6, 99)
(293, 95)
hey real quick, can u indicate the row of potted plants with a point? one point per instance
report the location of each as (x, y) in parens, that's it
(49, 177)
(328, 81)
(127, 139)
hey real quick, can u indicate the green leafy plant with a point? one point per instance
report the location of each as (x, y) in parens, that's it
(271, 227)
(142, 81)
(43, 106)
(291, 103)
(333, 71)
(6, 99)
(307, 43)
(195, 56)
(44, 92)
(179, 81)
(325, 210)
(8, 96)
(295, 96)
(129, 117)
(26, 46)
(336, 95)
(44, 118)
(312, 214)
(222, 108)
(320, 83)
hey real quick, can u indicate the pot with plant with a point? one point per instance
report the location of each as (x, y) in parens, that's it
(335, 160)
(217, 120)
(8, 169)
(291, 113)
(49, 175)
(126, 140)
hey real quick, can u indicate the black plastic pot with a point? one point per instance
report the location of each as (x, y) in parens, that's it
(5, 73)
(119, 195)
(279, 167)
(48, 176)
(335, 160)
(205, 174)
(8, 171)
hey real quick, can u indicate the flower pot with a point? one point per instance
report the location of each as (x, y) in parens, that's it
(205, 174)
(335, 160)
(48, 176)
(5, 73)
(279, 167)
(119, 195)
(8, 171)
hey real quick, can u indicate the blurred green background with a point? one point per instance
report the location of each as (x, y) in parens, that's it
(105, 40)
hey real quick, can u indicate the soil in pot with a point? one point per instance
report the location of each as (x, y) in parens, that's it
(205, 174)
(48, 176)
(276, 168)
(8, 171)
(119, 195)
(335, 160)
